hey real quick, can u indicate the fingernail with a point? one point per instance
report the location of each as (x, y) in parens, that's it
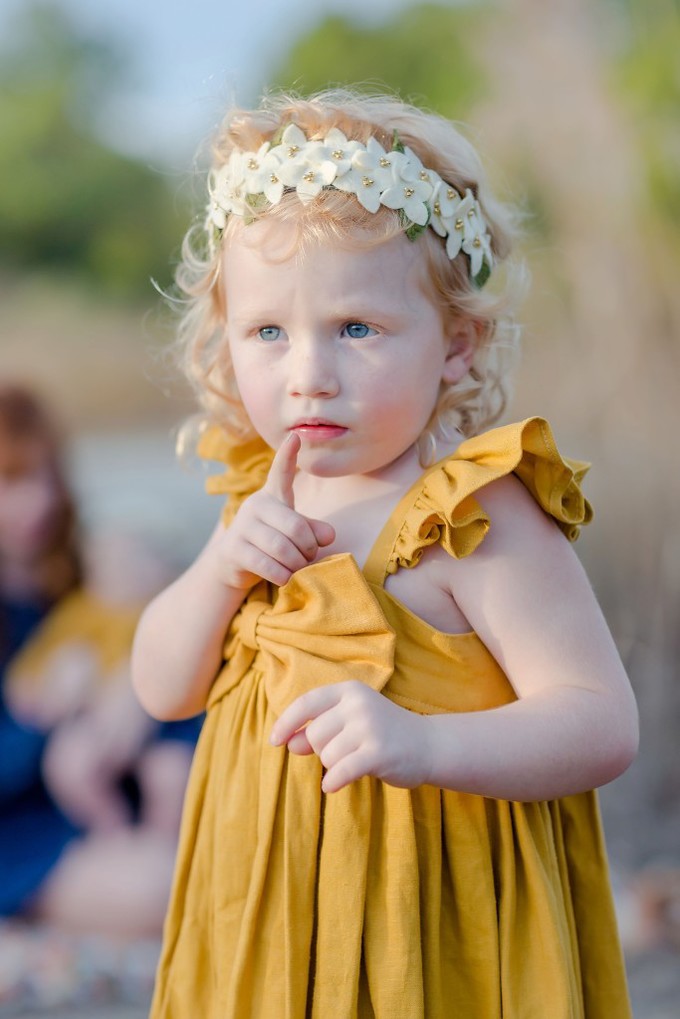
(274, 739)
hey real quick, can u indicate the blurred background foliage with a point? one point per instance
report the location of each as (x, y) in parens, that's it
(578, 104)
(68, 204)
(424, 54)
(647, 75)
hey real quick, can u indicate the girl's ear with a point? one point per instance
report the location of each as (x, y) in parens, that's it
(462, 339)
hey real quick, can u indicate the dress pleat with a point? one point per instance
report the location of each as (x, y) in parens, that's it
(392, 937)
(341, 900)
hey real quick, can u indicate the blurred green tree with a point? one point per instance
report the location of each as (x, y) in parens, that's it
(67, 202)
(424, 53)
(648, 73)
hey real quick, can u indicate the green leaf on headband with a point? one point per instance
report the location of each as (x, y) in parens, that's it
(257, 202)
(482, 276)
(397, 144)
(278, 135)
(415, 230)
(411, 229)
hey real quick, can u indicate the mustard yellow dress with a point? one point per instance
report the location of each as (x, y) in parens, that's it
(376, 901)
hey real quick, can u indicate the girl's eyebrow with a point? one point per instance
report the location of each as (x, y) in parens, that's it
(255, 317)
(366, 306)
(349, 311)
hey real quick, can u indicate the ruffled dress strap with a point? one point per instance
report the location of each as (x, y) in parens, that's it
(246, 467)
(441, 506)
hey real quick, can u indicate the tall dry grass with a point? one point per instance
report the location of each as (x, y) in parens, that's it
(601, 359)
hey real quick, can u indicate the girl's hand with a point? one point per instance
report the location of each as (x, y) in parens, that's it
(355, 732)
(268, 540)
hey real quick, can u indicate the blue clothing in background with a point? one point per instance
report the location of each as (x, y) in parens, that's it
(33, 831)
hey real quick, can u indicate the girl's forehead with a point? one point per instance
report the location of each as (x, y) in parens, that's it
(276, 251)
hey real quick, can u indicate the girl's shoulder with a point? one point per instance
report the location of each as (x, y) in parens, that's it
(455, 499)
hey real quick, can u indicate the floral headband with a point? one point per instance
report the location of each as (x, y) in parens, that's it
(251, 181)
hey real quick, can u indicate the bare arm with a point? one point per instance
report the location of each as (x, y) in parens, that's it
(177, 649)
(574, 725)
(178, 646)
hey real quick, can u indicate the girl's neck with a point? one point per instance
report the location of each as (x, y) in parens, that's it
(397, 476)
(348, 488)
(364, 496)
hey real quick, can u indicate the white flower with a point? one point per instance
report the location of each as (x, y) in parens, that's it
(262, 174)
(340, 150)
(228, 190)
(370, 174)
(461, 223)
(454, 224)
(410, 187)
(445, 203)
(476, 242)
(292, 142)
(474, 221)
(303, 164)
(216, 216)
(478, 249)
(308, 175)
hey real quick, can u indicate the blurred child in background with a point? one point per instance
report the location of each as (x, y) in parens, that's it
(90, 786)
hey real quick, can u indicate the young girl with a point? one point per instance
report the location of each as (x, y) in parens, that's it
(410, 689)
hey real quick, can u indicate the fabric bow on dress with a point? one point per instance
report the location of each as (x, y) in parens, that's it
(311, 636)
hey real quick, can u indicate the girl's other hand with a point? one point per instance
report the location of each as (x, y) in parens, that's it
(268, 540)
(355, 732)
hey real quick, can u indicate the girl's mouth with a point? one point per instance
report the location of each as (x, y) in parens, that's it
(318, 428)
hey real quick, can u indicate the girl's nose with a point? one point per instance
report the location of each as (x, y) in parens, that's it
(312, 371)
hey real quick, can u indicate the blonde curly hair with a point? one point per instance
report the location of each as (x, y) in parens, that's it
(470, 405)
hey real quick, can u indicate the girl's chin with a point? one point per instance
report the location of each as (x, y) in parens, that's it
(322, 462)
(325, 463)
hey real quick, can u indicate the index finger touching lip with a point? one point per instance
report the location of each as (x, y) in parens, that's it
(283, 468)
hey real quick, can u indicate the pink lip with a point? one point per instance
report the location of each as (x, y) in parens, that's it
(318, 428)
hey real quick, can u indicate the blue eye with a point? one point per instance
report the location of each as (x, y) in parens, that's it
(358, 330)
(269, 333)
